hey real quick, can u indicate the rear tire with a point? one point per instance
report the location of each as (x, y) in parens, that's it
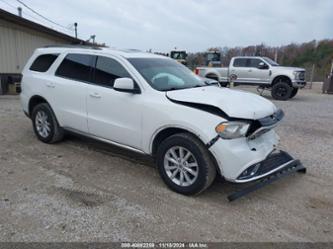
(187, 174)
(294, 92)
(45, 124)
(281, 91)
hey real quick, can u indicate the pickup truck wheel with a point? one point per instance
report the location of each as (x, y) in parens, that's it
(294, 92)
(281, 91)
(223, 84)
(185, 164)
(45, 124)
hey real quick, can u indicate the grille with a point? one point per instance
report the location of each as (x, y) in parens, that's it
(273, 161)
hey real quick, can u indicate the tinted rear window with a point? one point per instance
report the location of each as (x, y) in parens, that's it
(43, 62)
(76, 67)
(240, 62)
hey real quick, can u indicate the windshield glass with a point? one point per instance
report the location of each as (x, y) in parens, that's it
(214, 56)
(166, 74)
(271, 62)
(181, 55)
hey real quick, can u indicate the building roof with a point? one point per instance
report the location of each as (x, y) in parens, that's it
(5, 15)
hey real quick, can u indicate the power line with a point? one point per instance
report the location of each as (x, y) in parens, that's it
(36, 19)
(40, 15)
(15, 8)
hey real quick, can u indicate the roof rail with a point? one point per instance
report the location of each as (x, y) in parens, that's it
(72, 46)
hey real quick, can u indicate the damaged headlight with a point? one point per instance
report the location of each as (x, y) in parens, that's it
(233, 129)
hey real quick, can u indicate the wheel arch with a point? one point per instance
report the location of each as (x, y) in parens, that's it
(282, 77)
(166, 132)
(34, 101)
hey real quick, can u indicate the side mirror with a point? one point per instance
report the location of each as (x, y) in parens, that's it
(126, 85)
(262, 65)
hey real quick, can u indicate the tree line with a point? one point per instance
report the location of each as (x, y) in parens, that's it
(315, 56)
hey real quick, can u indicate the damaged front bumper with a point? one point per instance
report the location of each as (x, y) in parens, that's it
(274, 162)
(287, 169)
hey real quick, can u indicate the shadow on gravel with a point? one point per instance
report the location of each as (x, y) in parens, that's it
(110, 150)
(219, 190)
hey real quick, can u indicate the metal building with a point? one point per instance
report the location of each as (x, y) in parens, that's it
(19, 37)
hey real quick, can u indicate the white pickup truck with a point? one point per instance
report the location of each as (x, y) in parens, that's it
(284, 82)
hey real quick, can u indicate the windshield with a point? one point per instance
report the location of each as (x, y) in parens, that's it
(181, 55)
(214, 56)
(271, 62)
(166, 74)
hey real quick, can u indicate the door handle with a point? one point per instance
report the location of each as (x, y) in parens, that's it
(95, 95)
(50, 85)
(250, 71)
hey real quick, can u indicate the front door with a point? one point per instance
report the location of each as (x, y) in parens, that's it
(113, 115)
(256, 75)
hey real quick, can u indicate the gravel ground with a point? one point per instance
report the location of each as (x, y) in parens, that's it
(81, 190)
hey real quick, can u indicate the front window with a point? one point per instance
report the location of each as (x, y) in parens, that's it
(179, 55)
(166, 74)
(214, 57)
(271, 62)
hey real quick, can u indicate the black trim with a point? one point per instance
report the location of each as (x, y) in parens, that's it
(265, 122)
(213, 141)
(273, 161)
(133, 91)
(293, 167)
(268, 85)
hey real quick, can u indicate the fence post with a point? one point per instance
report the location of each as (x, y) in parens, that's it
(312, 75)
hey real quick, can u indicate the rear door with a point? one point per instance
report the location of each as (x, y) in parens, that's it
(113, 115)
(238, 71)
(69, 90)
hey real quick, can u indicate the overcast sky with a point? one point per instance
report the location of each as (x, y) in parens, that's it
(194, 25)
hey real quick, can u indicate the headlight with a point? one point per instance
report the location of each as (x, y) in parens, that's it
(297, 75)
(231, 130)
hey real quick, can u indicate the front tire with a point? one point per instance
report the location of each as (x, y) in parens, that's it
(281, 91)
(185, 164)
(294, 92)
(45, 124)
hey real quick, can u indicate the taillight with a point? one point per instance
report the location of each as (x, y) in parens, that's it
(197, 71)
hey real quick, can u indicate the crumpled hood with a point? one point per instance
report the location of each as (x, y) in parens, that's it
(235, 103)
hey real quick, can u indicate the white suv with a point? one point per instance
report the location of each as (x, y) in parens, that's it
(153, 105)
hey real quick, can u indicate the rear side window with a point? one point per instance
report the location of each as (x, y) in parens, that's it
(108, 70)
(240, 62)
(76, 67)
(43, 62)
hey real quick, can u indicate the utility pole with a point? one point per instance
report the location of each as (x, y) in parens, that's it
(314, 64)
(276, 55)
(93, 38)
(75, 27)
(19, 9)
